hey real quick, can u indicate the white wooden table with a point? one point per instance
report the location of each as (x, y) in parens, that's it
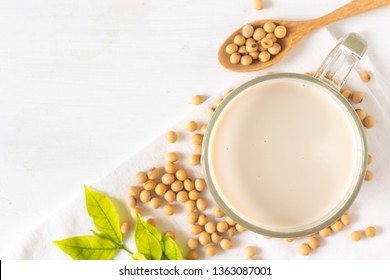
(84, 84)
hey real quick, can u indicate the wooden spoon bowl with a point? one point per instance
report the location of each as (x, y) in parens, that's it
(296, 30)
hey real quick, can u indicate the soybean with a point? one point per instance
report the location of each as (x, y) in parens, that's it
(272, 37)
(188, 185)
(145, 196)
(368, 176)
(235, 58)
(168, 178)
(192, 243)
(151, 222)
(150, 185)
(177, 186)
(134, 211)
(370, 232)
(190, 205)
(280, 32)
(259, 34)
(170, 234)
(258, 4)
(153, 173)
(200, 184)
(201, 204)
(365, 76)
(197, 100)
(345, 219)
(337, 226)
(170, 196)
(230, 221)
(169, 209)
(267, 42)
(141, 177)
(160, 189)
(192, 217)
(204, 238)
(192, 255)
(210, 227)
(356, 235)
(369, 122)
(313, 242)
(210, 111)
(203, 129)
(232, 231)
(369, 159)
(194, 160)
(247, 31)
(347, 94)
(197, 139)
(172, 157)
(198, 150)
(182, 196)
(250, 251)
(240, 228)
(226, 244)
(218, 212)
(195, 229)
(304, 249)
(361, 113)
(125, 227)
(325, 232)
(239, 40)
(192, 126)
(275, 49)
(269, 26)
(254, 55)
(222, 227)
(171, 136)
(264, 56)
(216, 238)
(181, 174)
(231, 48)
(194, 195)
(170, 167)
(155, 203)
(357, 97)
(202, 220)
(131, 201)
(246, 60)
(211, 250)
(134, 191)
(251, 45)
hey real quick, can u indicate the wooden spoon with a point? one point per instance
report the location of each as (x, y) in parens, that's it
(296, 30)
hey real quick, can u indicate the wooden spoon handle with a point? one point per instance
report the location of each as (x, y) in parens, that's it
(352, 8)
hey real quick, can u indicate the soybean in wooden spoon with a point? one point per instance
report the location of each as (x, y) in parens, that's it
(296, 30)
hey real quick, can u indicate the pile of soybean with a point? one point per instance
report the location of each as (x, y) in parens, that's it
(256, 44)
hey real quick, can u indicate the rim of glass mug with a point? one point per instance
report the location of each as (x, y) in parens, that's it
(331, 75)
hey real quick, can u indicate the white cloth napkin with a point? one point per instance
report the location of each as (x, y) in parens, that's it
(371, 207)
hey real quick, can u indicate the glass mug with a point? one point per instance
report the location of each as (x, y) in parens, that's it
(285, 154)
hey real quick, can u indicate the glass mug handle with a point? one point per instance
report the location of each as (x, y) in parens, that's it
(337, 66)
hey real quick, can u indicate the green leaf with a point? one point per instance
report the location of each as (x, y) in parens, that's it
(170, 248)
(138, 257)
(148, 240)
(152, 229)
(105, 217)
(103, 236)
(88, 248)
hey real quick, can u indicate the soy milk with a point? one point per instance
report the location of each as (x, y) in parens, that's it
(282, 154)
